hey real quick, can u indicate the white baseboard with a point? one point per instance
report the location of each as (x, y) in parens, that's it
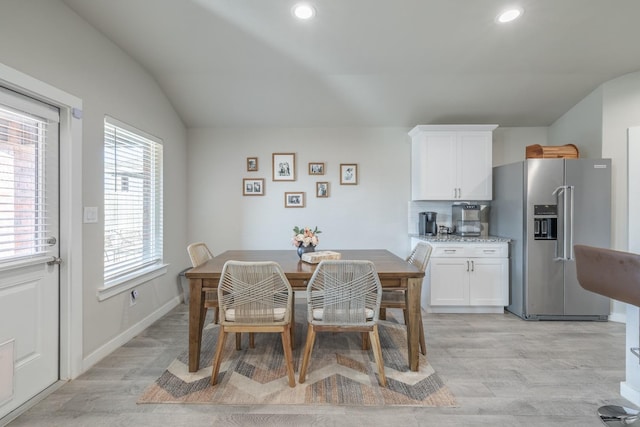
(630, 393)
(127, 335)
(618, 317)
(471, 309)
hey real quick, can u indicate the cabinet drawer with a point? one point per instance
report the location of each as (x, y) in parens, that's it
(488, 251)
(449, 251)
(470, 250)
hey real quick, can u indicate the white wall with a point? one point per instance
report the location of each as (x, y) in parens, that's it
(372, 214)
(621, 102)
(582, 126)
(510, 143)
(44, 39)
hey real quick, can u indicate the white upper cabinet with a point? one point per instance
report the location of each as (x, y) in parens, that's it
(451, 162)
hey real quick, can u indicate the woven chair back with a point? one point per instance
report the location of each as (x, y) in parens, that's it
(420, 255)
(254, 293)
(199, 253)
(344, 293)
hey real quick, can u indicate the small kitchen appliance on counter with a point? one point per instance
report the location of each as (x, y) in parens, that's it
(427, 224)
(466, 219)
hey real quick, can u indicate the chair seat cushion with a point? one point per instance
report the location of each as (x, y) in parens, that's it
(318, 313)
(278, 314)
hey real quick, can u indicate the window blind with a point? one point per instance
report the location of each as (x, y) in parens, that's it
(25, 209)
(132, 201)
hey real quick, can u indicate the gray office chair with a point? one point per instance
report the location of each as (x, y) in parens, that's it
(616, 275)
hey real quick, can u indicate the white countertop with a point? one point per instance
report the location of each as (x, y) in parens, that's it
(453, 238)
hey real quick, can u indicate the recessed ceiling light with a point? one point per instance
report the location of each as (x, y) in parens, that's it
(304, 11)
(509, 15)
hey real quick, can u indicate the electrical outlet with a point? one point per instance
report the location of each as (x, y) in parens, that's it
(133, 297)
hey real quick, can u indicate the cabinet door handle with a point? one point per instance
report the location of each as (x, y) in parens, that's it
(467, 265)
(450, 251)
(473, 267)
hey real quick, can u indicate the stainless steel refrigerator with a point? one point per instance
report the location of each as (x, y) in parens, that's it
(545, 206)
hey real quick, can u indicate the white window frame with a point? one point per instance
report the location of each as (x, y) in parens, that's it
(147, 262)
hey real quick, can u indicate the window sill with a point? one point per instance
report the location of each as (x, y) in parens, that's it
(123, 284)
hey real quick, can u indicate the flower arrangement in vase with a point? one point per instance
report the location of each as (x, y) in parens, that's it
(305, 239)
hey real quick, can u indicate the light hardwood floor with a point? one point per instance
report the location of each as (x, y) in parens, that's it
(504, 371)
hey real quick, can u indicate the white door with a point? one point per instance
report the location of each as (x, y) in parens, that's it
(29, 285)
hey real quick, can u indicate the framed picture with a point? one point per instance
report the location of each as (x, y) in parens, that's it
(284, 166)
(348, 174)
(322, 189)
(316, 168)
(294, 199)
(253, 187)
(252, 164)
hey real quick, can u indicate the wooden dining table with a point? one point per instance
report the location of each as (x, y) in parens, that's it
(394, 273)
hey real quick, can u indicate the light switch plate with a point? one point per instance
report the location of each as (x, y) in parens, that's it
(90, 214)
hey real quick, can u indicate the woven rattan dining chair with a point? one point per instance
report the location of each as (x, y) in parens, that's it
(254, 297)
(397, 298)
(344, 296)
(199, 253)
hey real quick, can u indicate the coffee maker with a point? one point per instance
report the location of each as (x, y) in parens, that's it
(466, 219)
(427, 224)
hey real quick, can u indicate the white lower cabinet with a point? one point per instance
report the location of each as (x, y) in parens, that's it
(468, 278)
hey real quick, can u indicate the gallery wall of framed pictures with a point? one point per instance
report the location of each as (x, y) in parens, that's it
(283, 169)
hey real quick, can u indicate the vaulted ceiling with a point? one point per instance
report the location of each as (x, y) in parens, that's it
(238, 63)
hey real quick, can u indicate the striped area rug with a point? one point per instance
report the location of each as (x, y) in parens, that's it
(339, 373)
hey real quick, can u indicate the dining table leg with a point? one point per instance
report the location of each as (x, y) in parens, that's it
(414, 291)
(196, 312)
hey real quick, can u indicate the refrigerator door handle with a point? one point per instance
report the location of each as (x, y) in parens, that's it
(558, 190)
(561, 191)
(570, 240)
